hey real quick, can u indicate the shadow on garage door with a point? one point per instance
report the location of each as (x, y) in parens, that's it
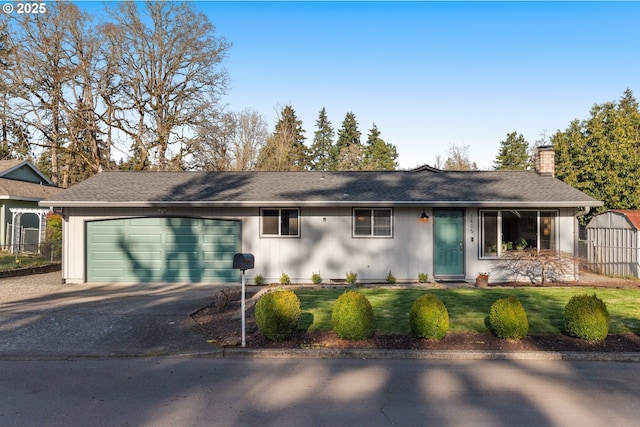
(159, 249)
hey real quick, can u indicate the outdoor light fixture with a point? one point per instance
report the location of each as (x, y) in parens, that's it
(424, 217)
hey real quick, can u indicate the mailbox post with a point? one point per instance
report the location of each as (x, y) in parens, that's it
(243, 262)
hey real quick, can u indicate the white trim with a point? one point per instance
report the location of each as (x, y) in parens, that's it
(322, 203)
(31, 166)
(279, 235)
(16, 215)
(372, 235)
(499, 252)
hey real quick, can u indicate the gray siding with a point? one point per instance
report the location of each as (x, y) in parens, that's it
(325, 245)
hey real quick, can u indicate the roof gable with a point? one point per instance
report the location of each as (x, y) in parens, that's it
(22, 170)
(447, 188)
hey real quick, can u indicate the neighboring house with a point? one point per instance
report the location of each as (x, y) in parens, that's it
(186, 226)
(613, 243)
(22, 186)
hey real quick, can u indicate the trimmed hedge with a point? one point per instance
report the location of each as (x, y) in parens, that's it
(277, 314)
(352, 316)
(586, 317)
(429, 318)
(508, 318)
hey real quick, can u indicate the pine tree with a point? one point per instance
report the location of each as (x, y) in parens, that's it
(513, 153)
(285, 149)
(379, 155)
(322, 146)
(601, 155)
(346, 156)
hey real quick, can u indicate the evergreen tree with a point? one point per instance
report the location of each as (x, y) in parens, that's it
(345, 156)
(601, 155)
(322, 147)
(285, 149)
(379, 155)
(513, 153)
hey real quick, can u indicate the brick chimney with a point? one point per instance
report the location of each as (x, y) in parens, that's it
(544, 160)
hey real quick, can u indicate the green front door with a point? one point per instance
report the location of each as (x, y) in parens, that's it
(448, 253)
(162, 250)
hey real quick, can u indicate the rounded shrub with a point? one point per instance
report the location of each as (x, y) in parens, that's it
(586, 317)
(277, 314)
(284, 279)
(352, 316)
(429, 318)
(508, 318)
(316, 279)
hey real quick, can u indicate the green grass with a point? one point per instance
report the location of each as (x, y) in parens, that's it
(469, 308)
(8, 261)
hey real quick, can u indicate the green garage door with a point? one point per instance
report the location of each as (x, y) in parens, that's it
(162, 250)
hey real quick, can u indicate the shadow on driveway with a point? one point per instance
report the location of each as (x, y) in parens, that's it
(106, 320)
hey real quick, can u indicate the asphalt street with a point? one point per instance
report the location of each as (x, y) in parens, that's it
(178, 391)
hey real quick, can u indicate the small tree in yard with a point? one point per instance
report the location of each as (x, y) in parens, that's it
(545, 265)
(53, 245)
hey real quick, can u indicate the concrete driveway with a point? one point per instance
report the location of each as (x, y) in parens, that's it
(104, 320)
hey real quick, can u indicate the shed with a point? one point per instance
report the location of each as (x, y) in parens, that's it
(613, 243)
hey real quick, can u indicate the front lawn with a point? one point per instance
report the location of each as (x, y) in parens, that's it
(469, 308)
(8, 261)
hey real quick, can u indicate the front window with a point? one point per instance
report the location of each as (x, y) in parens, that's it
(280, 222)
(372, 222)
(504, 231)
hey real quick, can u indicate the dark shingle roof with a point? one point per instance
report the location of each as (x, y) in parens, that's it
(21, 190)
(479, 188)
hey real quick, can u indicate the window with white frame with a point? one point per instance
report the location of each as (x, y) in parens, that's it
(280, 222)
(503, 231)
(375, 222)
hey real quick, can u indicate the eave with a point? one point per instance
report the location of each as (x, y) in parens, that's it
(315, 203)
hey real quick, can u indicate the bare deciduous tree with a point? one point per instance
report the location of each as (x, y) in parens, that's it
(458, 159)
(538, 265)
(42, 70)
(168, 71)
(229, 141)
(52, 82)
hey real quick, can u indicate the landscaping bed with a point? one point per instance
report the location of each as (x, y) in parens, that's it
(224, 329)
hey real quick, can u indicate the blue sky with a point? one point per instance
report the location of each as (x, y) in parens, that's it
(430, 74)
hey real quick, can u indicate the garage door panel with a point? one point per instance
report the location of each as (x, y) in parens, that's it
(144, 222)
(143, 238)
(107, 256)
(217, 256)
(192, 239)
(218, 238)
(111, 272)
(162, 249)
(106, 238)
(139, 256)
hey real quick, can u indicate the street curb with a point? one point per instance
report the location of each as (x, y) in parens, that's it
(248, 353)
(363, 354)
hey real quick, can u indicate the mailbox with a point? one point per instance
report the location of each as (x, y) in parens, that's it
(243, 261)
